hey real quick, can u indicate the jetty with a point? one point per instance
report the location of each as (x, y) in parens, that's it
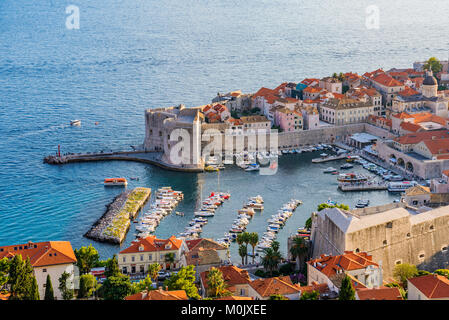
(150, 157)
(113, 226)
(330, 158)
(363, 187)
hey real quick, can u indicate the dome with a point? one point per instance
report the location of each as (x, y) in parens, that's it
(430, 80)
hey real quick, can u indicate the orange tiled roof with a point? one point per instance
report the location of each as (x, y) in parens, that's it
(408, 92)
(277, 285)
(232, 275)
(42, 253)
(437, 146)
(331, 265)
(446, 173)
(383, 293)
(411, 127)
(313, 89)
(234, 298)
(308, 81)
(414, 138)
(320, 287)
(159, 295)
(433, 286)
(151, 243)
(428, 117)
(262, 92)
(386, 80)
(402, 115)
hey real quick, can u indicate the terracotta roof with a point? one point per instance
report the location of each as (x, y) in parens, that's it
(433, 286)
(383, 293)
(202, 256)
(446, 173)
(5, 295)
(277, 285)
(408, 92)
(402, 115)
(428, 117)
(253, 119)
(373, 73)
(320, 287)
(159, 295)
(414, 138)
(331, 265)
(313, 89)
(411, 127)
(42, 253)
(308, 81)
(232, 276)
(151, 243)
(387, 81)
(435, 147)
(417, 190)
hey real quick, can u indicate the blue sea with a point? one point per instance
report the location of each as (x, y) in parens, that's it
(128, 56)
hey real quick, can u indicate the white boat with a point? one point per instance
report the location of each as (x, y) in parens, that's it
(75, 122)
(329, 170)
(323, 155)
(252, 167)
(401, 186)
(362, 203)
(204, 214)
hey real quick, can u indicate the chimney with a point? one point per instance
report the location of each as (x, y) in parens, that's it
(166, 288)
(160, 288)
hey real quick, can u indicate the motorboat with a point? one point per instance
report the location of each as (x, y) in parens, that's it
(400, 186)
(75, 122)
(346, 166)
(329, 170)
(362, 203)
(115, 182)
(351, 177)
(252, 167)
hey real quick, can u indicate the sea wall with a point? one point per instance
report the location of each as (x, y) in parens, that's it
(114, 224)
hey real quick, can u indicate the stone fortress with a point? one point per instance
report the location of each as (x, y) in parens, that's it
(393, 234)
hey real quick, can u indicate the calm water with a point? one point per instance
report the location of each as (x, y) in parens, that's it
(129, 56)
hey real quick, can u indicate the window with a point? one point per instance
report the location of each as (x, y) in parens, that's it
(444, 249)
(44, 270)
(385, 242)
(124, 259)
(132, 258)
(141, 257)
(398, 262)
(421, 256)
(389, 225)
(150, 257)
(408, 235)
(431, 227)
(357, 250)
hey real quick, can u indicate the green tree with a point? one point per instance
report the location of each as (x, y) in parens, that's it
(170, 258)
(242, 252)
(34, 290)
(443, 272)
(216, 284)
(4, 273)
(86, 258)
(88, 284)
(143, 285)
(272, 257)
(404, 271)
(49, 294)
(112, 269)
(253, 241)
(313, 295)
(308, 224)
(323, 206)
(64, 286)
(401, 290)
(347, 291)
(117, 287)
(298, 250)
(153, 270)
(184, 280)
(278, 297)
(21, 279)
(433, 64)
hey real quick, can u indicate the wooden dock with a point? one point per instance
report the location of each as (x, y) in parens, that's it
(363, 187)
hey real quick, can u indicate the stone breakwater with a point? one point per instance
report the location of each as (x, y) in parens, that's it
(114, 224)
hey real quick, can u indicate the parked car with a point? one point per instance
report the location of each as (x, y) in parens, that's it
(162, 275)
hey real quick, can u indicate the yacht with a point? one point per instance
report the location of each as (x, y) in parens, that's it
(400, 186)
(252, 167)
(362, 203)
(75, 122)
(329, 170)
(347, 166)
(351, 177)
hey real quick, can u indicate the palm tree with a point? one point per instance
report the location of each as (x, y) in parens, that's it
(272, 257)
(298, 250)
(242, 253)
(253, 240)
(215, 282)
(153, 270)
(170, 258)
(246, 240)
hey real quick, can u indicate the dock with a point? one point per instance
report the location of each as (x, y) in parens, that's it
(113, 226)
(330, 158)
(363, 187)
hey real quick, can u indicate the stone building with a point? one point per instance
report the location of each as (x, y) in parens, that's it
(345, 111)
(392, 234)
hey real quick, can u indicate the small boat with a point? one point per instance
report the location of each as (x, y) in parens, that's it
(252, 167)
(351, 177)
(180, 214)
(324, 155)
(362, 203)
(115, 182)
(75, 122)
(347, 166)
(135, 178)
(329, 170)
(211, 168)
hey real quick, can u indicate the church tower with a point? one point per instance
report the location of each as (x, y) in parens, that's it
(429, 85)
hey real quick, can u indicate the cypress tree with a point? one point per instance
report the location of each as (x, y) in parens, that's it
(347, 291)
(34, 290)
(49, 295)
